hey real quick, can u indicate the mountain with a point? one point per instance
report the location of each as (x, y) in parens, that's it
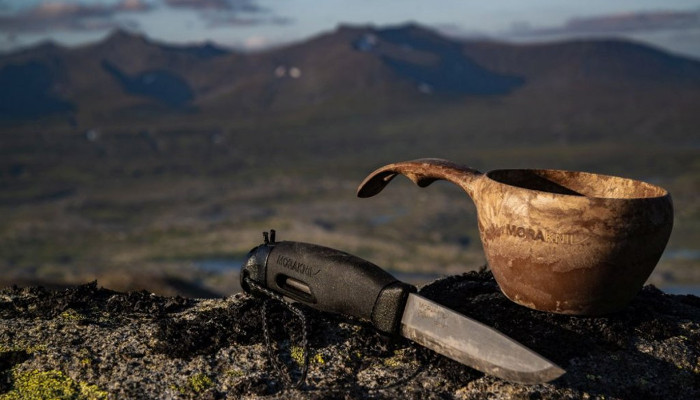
(355, 71)
(587, 61)
(432, 62)
(28, 91)
(160, 85)
(124, 71)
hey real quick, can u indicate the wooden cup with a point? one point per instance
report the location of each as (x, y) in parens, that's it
(559, 241)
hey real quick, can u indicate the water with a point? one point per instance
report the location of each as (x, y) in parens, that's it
(219, 265)
(681, 254)
(416, 278)
(681, 289)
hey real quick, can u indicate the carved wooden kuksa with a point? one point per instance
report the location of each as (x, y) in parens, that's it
(560, 241)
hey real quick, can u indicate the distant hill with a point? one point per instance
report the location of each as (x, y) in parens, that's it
(587, 61)
(354, 71)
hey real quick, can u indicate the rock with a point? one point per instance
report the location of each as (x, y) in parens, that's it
(87, 342)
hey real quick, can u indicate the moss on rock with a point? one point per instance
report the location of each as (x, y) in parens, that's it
(138, 345)
(50, 385)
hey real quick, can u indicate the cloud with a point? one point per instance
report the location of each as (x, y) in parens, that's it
(227, 19)
(244, 6)
(70, 16)
(617, 23)
(49, 17)
(459, 31)
(237, 13)
(199, 4)
(64, 9)
(133, 5)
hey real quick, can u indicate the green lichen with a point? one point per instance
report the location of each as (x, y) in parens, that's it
(40, 385)
(297, 354)
(234, 373)
(398, 359)
(90, 392)
(392, 362)
(199, 383)
(72, 315)
(195, 384)
(84, 356)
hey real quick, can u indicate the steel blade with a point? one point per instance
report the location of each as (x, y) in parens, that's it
(473, 343)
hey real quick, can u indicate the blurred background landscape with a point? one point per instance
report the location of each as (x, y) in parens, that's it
(149, 151)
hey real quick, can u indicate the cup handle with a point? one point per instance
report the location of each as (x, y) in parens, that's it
(422, 172)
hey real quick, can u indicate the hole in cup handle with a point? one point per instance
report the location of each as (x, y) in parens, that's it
(422, 172)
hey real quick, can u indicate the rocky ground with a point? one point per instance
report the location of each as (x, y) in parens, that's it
(87, 342)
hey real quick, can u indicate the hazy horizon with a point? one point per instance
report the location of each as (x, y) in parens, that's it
(261, 24)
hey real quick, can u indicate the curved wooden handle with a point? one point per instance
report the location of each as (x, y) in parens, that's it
(422, 172)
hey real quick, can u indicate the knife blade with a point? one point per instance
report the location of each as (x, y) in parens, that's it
(334, 281)
(472, 343)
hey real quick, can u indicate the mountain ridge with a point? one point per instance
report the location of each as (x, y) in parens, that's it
(347, 73)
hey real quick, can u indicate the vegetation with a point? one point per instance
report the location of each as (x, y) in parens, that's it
(126, 187)
(75, 216)
(54, 385)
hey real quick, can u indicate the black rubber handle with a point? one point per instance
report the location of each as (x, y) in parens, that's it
(329, 280)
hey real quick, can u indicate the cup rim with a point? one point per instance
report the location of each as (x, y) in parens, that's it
(650, 187)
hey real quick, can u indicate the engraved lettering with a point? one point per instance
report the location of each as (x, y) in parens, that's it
(539, 236)
(294, 265)
(532, 234)
(436, 314)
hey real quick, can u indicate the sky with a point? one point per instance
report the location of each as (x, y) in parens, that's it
(259, 24)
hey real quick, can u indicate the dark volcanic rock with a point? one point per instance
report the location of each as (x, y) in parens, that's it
(86, 342)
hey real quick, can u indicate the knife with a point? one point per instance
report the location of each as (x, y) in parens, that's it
(334, 281)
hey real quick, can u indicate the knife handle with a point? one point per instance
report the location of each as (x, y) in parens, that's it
(329, 280)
